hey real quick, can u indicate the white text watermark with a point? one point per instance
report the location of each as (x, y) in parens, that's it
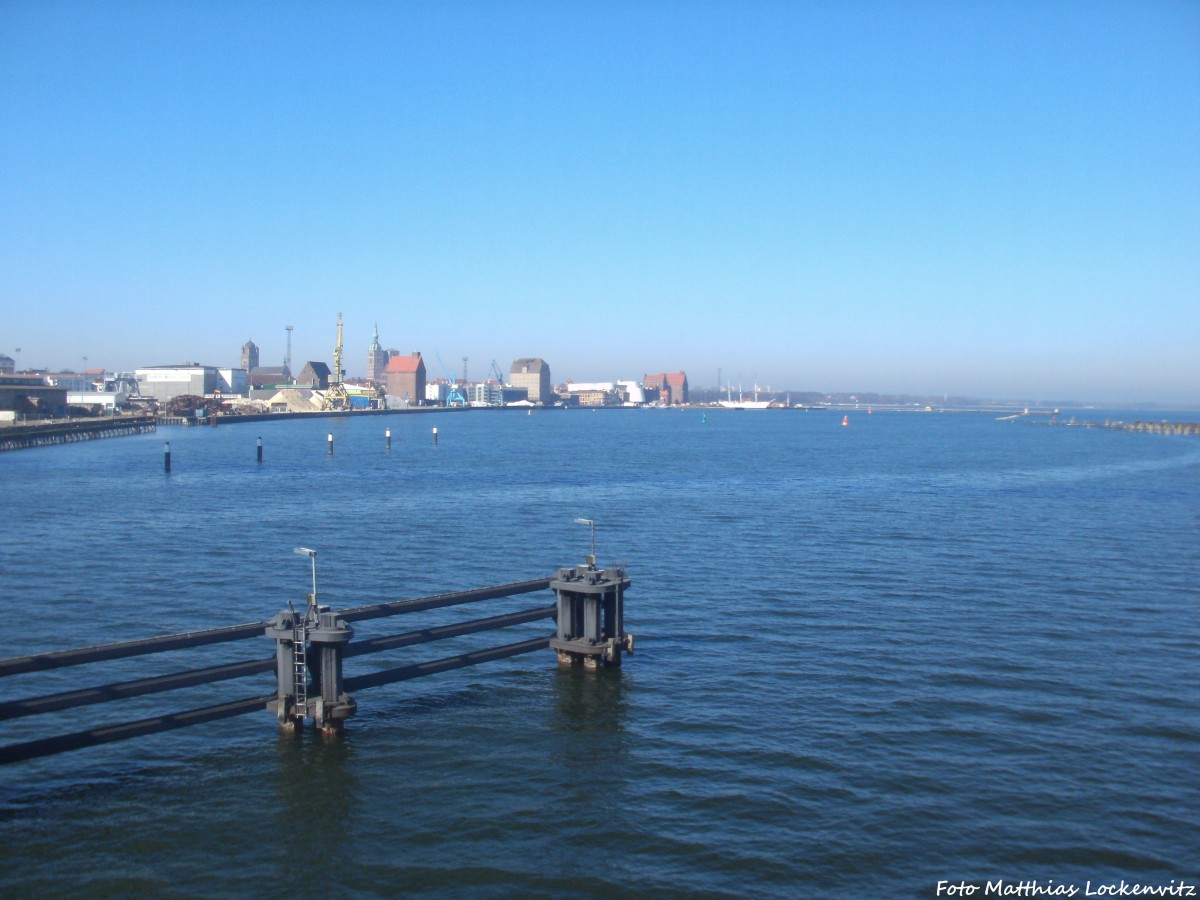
(1051, 888)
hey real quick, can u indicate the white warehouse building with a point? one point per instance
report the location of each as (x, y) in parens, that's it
(164, 382)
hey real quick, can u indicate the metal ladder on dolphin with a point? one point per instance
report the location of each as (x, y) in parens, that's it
(300, 665)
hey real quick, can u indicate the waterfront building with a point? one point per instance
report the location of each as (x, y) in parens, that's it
(436, 392)
(655, 388)
(533, 374)
(162, 383)
(671, 387)
(405, 378)
(591, 396)
(8, 365)
(249, 356)
(99, 401)
(29, 395)
(485, 394)
(314, 375)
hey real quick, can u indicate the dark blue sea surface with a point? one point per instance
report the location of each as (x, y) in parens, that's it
(921, 647)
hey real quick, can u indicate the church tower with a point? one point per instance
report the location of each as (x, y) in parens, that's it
(249, 356)
(377, 360)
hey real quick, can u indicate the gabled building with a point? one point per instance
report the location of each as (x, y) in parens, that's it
(405, 378)
(314, 375)
(678, 385)
(655, 388)
(671, 388)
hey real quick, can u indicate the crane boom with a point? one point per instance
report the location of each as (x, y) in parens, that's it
(336, 396)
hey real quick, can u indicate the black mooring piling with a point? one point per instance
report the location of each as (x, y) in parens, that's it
(591, 616)
(260, 449)
(388, 435)
(167, 457)
(330, 442)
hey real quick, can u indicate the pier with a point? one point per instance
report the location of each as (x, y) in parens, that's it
(68, 431)
(311, 647)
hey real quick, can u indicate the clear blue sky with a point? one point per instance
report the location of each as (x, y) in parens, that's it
(990, 198)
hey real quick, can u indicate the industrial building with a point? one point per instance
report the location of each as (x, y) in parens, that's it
(101, 401)
(162, 383)
(29, 395)
(532, 374)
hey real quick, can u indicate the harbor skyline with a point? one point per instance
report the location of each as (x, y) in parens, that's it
(995, 202)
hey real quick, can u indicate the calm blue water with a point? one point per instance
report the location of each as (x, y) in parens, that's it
(922, 647)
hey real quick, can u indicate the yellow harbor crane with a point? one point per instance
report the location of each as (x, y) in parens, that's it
(336, 397)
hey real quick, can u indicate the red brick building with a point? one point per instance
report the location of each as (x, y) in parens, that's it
(405, 378)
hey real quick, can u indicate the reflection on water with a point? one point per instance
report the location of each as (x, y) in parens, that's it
(589, 702)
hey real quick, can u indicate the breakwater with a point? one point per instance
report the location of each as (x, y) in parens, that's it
(69, 431)
(1171, 428)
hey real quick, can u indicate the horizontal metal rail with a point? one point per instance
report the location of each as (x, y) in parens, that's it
(59, 659)
(170, 721)
(15, 709)
(424, 636)
(405, 673)
(110, 733)
(397, 607)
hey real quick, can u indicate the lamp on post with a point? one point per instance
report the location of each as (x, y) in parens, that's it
(311, 554)
(591, 560)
